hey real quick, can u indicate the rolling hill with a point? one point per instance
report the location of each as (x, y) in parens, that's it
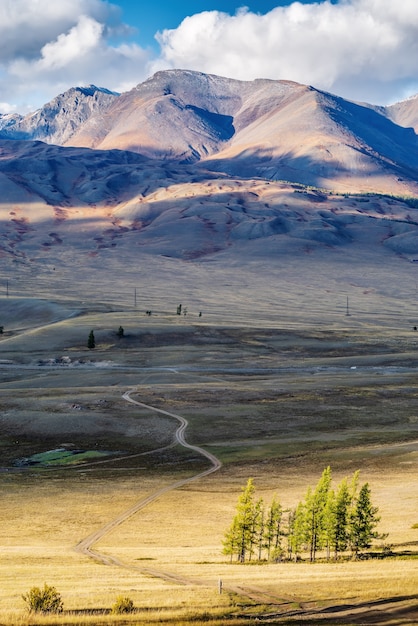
(193, 167)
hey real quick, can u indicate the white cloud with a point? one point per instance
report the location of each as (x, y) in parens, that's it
(67, 48)
(363, 49)
(6, 108)
(47, 47)
(360, 49)
(27, 25)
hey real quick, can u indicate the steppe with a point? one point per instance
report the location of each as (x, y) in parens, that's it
(282, 220)
(279, 368)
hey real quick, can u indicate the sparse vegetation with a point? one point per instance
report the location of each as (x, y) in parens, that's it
(123, 605)
(46, 600)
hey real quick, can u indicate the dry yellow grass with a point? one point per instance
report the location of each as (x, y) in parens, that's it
(280, 428)
(180, 533)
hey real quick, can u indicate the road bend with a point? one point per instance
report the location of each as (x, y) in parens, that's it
(86, 546)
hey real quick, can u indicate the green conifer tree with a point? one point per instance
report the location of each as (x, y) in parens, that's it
(240, 537)
(363, 521)
(91, 342)
(273, 531)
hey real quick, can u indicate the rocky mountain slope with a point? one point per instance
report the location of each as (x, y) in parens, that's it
(57, 121)
(264, 128)
(189, 165)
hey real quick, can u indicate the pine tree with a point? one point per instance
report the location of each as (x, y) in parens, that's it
(272, 533)
(341, 515)
(363, 521)
(329, 521)
(91, 342)
(258, 528)
(315, 514)
(240, 537)
(231, 539)
(297, 531)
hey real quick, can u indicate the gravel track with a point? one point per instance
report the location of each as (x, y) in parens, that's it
(86, 546)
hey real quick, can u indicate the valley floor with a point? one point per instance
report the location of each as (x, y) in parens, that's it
(271, 397)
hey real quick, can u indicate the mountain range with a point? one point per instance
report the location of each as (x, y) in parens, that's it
(188, 164)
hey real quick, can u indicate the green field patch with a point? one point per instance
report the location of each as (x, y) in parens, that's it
(62, 456)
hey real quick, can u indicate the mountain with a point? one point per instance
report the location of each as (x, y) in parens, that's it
(405, 113)
(57, 121)
(190, 166)
(262, 128)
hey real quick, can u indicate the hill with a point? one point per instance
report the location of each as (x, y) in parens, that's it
(199, 168)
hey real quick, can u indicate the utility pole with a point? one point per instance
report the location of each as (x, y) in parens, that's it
(135, 298)
(347, 310)
(7, 288)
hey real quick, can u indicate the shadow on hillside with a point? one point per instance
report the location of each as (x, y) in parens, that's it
(381, 134)
(66, 176)
(261, 163)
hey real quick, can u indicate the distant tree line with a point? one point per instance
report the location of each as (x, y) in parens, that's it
(329, 521)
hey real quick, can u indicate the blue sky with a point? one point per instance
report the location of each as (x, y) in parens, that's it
(363, 50)
(149, 17)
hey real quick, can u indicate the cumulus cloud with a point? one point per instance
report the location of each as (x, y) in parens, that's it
(46, 48)
(361, 49)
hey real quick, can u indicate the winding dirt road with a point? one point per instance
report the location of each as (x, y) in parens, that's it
(86, 546)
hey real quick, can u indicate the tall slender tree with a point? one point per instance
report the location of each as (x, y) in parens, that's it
(273, 530)
(297, 536)
(231, 539)
(343, 501)
(91, 342)
(329, 522)
(363, 521)
(315, 513)
(258, 528)
(239, 539)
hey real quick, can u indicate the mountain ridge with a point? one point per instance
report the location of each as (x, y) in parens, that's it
(192, 167)
(272, 129)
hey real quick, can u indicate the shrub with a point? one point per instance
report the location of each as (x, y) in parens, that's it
(123, 604)
(46, 600)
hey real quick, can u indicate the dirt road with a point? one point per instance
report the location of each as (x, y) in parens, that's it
(86, 546)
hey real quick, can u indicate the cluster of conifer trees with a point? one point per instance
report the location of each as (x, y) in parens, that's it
(327, 520)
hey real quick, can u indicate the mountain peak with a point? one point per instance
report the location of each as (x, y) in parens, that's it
(90, 90)
(273, 129)
(60, 118)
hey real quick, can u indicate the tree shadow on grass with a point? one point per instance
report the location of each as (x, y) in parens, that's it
(394, 611)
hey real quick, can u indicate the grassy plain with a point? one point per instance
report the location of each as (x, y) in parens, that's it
(277, 400)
